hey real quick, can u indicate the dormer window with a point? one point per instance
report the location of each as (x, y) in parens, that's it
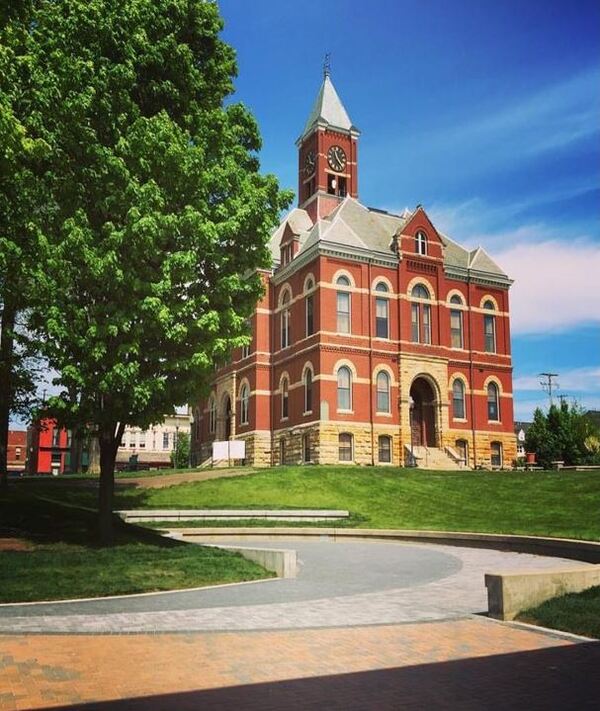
(286, 254)
(421, 243)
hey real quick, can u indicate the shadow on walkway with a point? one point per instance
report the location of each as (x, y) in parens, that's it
(565, 677)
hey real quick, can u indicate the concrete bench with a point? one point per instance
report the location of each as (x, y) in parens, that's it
(157, 515)
(512, 593)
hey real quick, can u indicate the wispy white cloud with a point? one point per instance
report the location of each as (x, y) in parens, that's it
(574, 380)
(557, 284)
(548, 119)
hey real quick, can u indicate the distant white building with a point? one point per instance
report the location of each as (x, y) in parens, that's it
(153, 447)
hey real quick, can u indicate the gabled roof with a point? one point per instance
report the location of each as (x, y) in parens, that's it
(297, 220)
(355, 228)
(328, 109)
(481, 261)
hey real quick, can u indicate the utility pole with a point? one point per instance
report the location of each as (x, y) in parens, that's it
(547, 383)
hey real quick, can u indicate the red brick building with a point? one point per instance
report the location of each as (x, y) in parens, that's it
(17, 450)
(49, 448)
(378, 339)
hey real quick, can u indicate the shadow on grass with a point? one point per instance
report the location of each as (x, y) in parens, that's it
(561, 677)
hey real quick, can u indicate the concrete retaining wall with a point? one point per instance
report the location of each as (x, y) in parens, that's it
(512, 593)
(280, 561)
(588, 551)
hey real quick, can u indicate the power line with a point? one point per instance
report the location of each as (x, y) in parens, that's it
(547, 383)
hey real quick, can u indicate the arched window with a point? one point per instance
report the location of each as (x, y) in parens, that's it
(285, 320)
(489, 328)
(385, 449)
(212, 415)
(310, 308)
(456, 323)
(421, 243)
(284, 398)
(306, 447)
(496, 454)
(343, 305)
(381, 311)
(308, 390)
(458, 399)
(345, 447)
(244, 402)
(492, 403)
(420, 315)
(344, 388)
(383, 391)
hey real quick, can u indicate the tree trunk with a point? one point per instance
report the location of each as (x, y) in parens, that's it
(7, 324)
(108, 439)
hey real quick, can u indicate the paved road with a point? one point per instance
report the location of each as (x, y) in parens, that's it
(340, 583)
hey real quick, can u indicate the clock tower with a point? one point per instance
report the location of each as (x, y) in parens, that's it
(327, 155)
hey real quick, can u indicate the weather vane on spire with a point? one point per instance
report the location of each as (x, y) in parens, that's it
(327, 65)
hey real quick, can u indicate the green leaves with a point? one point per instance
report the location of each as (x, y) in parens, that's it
(154, 211)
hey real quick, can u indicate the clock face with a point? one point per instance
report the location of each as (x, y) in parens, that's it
(336, 158)
(309, 162)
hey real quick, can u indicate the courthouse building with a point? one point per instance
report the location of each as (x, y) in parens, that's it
(379, 340)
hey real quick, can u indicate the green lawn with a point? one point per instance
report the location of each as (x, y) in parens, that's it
(55, 556)
(563, 504)
(578, 613)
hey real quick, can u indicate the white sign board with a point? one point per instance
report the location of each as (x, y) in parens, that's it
(232, 449)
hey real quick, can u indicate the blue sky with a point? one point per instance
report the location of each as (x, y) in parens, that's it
(487, 113)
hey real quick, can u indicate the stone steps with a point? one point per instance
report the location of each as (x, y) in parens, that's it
(435, 459)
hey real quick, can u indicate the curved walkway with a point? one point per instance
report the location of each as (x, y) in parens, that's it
(339, 583)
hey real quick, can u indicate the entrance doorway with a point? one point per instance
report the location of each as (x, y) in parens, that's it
(422, 414)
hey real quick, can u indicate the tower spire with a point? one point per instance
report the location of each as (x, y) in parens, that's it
(327, 65)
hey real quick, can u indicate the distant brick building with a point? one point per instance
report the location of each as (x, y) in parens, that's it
(17, 450)
(378, 340)
(49, 448)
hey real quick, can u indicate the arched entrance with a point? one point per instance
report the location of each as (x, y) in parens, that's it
(227, 417)
(422, 411)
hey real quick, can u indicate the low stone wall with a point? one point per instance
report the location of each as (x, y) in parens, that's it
(588, 551)
(512, 593)
(149, 515)
(280, 561)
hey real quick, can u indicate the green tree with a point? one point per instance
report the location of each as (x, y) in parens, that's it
(161, 215)
(180, 457)
(22, 198)
(563, 434)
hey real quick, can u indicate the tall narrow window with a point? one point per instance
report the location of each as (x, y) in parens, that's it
(345, 447)
(426, 323)
(166, 440)
(284, 398)
(496, 454)
(383, 391)
(344, 388)
(420, 314)
(492, 403)
(456, 324)
(212, 416)
(306, 447)
(458, 399)
(343, 305)
(285, 320)
(421, 243)
(244, 404)
(489, 328)
(381, 312)
(308, 387)
(310, 328)
(415, 327)
(385, 449)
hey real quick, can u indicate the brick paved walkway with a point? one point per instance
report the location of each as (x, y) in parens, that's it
(462, 664)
